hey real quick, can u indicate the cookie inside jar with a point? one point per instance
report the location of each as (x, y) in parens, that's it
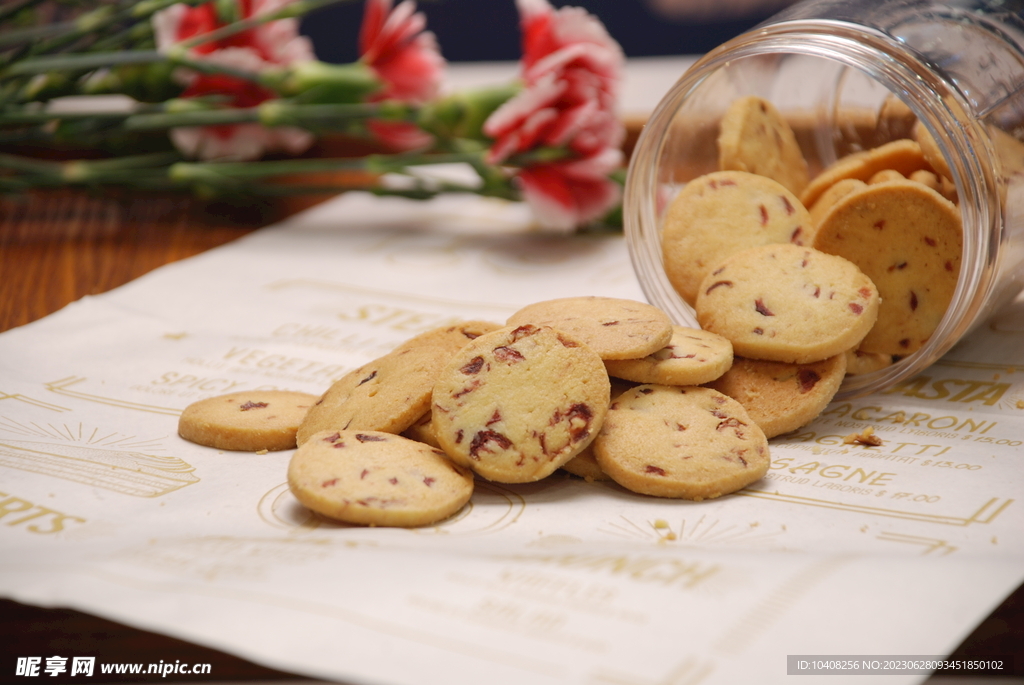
(842, 166)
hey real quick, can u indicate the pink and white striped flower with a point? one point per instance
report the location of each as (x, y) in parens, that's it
(271, 45)
(394, 43)
(571, 73)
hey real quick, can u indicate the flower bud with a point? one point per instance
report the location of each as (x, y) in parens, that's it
(462, 114)
(316, 82)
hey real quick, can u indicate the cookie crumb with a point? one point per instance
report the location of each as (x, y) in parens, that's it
(660, 524)
(262, 451)
(865, 437)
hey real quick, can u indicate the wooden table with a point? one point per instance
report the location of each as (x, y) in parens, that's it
(57, 248)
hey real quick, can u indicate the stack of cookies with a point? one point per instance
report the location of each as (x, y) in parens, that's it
(603, 388)
(860, 261)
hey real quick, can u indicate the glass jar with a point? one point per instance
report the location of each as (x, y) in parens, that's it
(836, 66)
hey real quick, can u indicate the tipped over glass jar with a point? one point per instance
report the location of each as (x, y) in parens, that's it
(848, 77)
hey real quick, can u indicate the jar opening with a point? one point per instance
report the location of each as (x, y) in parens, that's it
(844, 90)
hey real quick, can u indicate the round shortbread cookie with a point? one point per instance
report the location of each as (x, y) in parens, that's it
(907, 239)
(782, 397)
(585, 466)
(422, 430)
(453, 336)
(585, 463)
(859, 362)
(722, 213)
(246, 421)
(613, 328)
(832, 195)
(754, 137)
(930, 150)
(787, 303)
(692, 357)
(691, 442)
(516, 404)
(388, 394)
(886, 175)
(377, 479)
(904, 156)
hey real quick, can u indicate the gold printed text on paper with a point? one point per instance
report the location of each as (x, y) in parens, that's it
(666, 571)
(951, 390)
(34, 518)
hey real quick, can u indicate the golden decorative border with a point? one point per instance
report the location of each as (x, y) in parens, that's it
(985, 514)
(61, 388)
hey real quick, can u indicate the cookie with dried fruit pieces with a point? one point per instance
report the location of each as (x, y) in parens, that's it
(722, 213)
(377, 479)
(388, 394)
(788, 304)
(690, 443)
(692, 357)
(517, 403)
(755, 137)
(782, 397)
(908, 240)
(612, 327)
(246, 421)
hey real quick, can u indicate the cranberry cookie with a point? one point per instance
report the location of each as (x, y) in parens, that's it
(782, 397)
(246, 421)
(722, 213)
(692, 357)
(691, 443)
(377, 479)
(613, 328)
(517, 403)
(787, 303)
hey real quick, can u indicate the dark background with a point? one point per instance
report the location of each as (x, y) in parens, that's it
(485, 30)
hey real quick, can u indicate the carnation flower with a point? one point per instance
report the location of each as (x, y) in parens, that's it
(564, 195)
(571, 71)
(393, 42)
(270, 45)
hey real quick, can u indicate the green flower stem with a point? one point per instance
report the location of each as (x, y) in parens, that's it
(270, 113)
(83, 62)
(165, 171)
(33, 33)
(29, 165)
(27, 116)
(539, 155)
(316, 82)
(96, 60)
(116, 170)
(462, 114)
(414, 193)
(377, 164)
(60, 36)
